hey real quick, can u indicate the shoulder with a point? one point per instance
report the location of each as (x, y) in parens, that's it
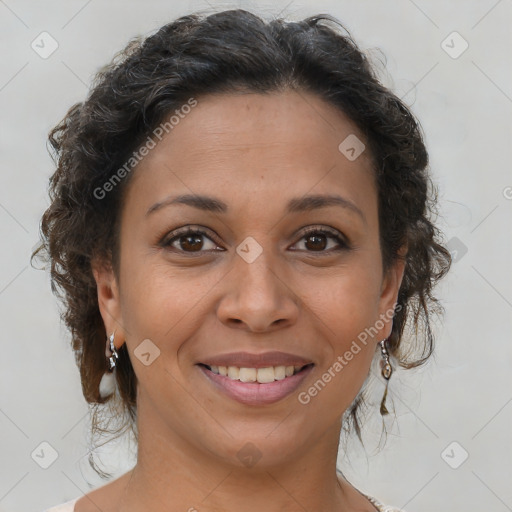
(351, 490)
(69, 506)
(381, 507)
(103, 498)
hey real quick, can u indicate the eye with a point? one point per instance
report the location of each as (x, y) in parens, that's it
(188, 240)
(192, 240)
(317, 240)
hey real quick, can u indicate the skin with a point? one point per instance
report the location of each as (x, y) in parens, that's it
(254, 152)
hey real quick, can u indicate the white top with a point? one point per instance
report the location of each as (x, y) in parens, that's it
(69, 506)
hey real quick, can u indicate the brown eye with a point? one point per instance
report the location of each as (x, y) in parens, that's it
(318, 240)
(189, 241)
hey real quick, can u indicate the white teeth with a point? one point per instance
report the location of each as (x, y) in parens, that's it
(261, 375)
(279, 372)
(265, 375)
(233, 372)
(248, 374)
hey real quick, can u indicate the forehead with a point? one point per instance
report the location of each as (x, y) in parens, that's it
(250, 142)
(245, 121)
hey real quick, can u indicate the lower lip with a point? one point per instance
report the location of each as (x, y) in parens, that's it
(254, 393)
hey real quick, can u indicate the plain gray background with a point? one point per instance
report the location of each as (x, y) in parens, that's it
(464, 103)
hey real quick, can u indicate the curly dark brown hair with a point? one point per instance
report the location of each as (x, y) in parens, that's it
(225, 52)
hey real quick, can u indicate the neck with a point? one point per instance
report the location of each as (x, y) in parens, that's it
(174, 474)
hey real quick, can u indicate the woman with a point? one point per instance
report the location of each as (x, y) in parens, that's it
(239, 226)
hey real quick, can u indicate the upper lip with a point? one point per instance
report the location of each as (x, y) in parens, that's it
(263, 360)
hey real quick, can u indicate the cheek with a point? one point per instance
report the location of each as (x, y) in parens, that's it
(347, 308)
(162, 304)
(153, 304)
(346, 311)
(347, 303)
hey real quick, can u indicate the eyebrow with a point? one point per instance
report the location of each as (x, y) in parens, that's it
(296, 205)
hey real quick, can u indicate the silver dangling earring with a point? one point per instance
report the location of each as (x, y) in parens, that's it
(386, 371)
(108, 381)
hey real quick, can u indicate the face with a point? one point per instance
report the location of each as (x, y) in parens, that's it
(264, 270)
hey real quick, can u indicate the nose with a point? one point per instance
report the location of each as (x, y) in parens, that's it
(257, 297)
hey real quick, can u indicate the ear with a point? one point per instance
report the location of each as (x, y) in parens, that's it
(390, 287)
(109, 300)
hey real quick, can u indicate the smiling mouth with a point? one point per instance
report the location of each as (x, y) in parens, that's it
(256, 375)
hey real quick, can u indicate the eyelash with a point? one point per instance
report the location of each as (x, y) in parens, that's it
(187, 231)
